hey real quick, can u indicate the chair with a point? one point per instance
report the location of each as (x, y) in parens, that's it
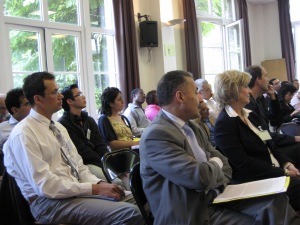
(138, 193)
(118, 163)
(14, 209)
(291, 128)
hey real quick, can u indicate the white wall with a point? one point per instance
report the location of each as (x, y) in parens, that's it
(264, 32)
(160, 11)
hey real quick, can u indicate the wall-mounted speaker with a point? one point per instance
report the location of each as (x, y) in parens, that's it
(148, 34)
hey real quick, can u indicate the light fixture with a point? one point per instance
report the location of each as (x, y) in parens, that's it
(175, 22)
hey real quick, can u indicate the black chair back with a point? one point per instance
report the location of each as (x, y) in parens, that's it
(118, 163)
(14, 209)
(138, 193)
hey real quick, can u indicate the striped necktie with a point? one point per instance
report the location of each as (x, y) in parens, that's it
(64, 147)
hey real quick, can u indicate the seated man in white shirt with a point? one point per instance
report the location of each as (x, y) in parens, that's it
(19, 107)
(204, 88)
(42, 158)
(136, 114)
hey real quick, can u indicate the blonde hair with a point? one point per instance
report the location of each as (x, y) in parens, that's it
(227, 86)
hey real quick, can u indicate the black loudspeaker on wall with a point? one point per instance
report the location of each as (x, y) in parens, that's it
(148, 34)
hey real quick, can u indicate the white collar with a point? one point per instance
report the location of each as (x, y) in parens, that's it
(231, 113)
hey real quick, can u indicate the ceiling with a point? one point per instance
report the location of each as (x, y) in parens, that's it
(257, 2)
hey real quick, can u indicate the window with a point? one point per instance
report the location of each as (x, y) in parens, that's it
(295, 19)
(220, 37)
(73, 39)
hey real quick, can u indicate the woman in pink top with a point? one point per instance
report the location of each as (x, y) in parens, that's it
(152, 109)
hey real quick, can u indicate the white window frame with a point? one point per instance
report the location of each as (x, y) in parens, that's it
(83, 30)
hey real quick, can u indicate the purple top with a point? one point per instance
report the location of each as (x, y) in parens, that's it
(151, 111)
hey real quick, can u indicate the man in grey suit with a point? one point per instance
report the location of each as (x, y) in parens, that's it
(180, 182)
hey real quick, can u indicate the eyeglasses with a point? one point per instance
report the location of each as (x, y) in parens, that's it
(79, 94)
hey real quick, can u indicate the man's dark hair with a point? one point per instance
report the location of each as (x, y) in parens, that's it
(34, 85)
(68, 94)
(135, 92)
(255, 72)
(169, 84)
(108, 96)
(151, 97)
(14, 99)
(271, 81)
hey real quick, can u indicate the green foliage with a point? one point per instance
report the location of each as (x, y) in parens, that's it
(206, 28)
(217, 7)
(24, 44)
(203, 6)
(65, 11)
(20, 8)
(64, 80)
(97, 13)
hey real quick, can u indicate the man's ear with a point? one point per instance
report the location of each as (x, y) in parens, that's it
(69, 101)
(257, 80)
(14, 110)
(179, 96)
(37, 99)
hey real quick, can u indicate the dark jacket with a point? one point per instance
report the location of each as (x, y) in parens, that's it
(287, 110)
(256, 108)
(247, 153)
(269, 110)
(90, 148)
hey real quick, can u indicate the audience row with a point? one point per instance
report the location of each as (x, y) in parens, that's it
(191, 146)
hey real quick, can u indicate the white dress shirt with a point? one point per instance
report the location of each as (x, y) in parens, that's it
(6, 128)
(32, 155)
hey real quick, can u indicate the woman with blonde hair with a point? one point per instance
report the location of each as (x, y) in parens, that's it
(240, 137)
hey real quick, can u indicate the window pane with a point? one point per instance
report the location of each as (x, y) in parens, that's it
(101, 13)
(24, 50)
(234, 45)
(212, 45)
(64, 52)
(294, 10)
(211, 35)
(213, 60)
(103, 52)
(234, 37)
(63, 11)
(202, 6)
(64, 80)
(217, 8)
(18, 79)
(23, 8)
(101, 82)
(228, 14)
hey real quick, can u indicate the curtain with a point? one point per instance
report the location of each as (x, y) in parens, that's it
(287, 42)
(126, 47)
(243, 14)
(191, 38)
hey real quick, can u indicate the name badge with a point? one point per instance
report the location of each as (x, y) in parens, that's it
(88, 134)
(264, 135)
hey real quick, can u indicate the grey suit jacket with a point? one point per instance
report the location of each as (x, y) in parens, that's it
(174, 182)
